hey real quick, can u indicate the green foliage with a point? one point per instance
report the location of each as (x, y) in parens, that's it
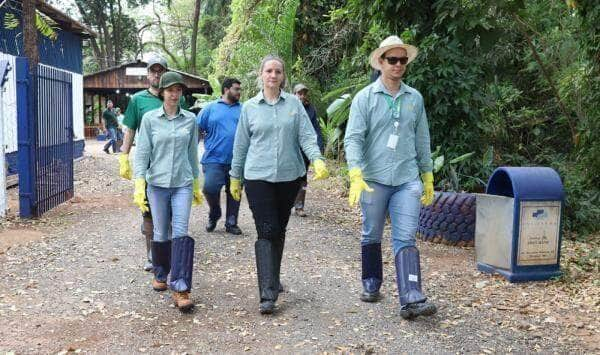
(44, 24)
(257, 28)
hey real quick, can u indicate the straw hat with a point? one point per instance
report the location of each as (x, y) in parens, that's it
(390, 43)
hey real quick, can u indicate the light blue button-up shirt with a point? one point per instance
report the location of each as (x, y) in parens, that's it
(166, 153)
(370, 126)
(269, 139)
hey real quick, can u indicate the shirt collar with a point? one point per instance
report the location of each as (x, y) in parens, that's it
(261, 97)
(379, 87)
(162, 113)
(225, 103)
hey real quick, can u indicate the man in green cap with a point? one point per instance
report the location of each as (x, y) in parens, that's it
(140, 103)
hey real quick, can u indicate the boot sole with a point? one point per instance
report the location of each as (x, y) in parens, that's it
(185, 308)
(370, 298)
(414, 313)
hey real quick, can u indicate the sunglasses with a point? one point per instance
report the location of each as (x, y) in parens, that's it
(395, 60)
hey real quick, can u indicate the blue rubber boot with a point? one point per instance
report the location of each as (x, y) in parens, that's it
(182, 263)
(372, 272)
(408, 275)
(161, 264)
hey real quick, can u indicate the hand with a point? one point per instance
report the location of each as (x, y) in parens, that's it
(321, 171)
(427, 197)
(197, 199)
(235, 188)
(357, 185)
(139, 195)
(124, 166)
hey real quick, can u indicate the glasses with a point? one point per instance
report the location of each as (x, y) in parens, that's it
(156, 72)
(396, 60)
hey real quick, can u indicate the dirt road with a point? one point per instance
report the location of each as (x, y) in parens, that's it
(72, 281)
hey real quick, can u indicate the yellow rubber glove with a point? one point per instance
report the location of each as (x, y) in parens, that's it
(235, 188)
(321, 171)
(139, 195)
(427, 197)
(124, 167)
(197, 199)
(357, 185)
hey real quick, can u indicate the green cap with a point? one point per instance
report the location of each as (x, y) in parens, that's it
(169, 79)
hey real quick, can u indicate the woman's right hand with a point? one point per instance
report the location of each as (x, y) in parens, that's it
(235, 188)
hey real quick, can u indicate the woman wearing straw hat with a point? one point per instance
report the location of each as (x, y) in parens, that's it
(387, 147)
(272, 132)
(167, 158)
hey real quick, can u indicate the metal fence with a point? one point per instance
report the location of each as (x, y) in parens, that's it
(45, 135)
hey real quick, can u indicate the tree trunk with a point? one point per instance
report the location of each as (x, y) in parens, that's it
(195, 36)
(30, 34)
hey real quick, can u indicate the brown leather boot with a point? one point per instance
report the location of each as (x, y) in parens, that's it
(159, 285)
(182, 301)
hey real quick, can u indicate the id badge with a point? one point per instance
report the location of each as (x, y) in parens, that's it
(392, 141)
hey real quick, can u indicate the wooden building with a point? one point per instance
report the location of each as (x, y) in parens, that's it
(119, 83)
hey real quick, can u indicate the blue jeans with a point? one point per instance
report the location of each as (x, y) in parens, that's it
(403, 203)
(112, 139)
(215, 177)
(170, 207)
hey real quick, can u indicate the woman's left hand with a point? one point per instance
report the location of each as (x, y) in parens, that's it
(197, 194)
(321, 171)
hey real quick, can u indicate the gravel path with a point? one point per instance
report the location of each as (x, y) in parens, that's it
(80, 287)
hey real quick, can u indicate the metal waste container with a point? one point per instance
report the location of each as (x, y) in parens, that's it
(518, 224)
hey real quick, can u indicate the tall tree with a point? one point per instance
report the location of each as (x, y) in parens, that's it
(116, 30)
(193, 52)
(30, 34)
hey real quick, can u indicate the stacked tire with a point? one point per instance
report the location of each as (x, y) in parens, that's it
(450, 220)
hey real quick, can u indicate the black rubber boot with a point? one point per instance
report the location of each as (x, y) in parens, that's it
(214, 205)
(408, 276)
(265, 274)
(182, 263)
(300, 198)
(372, 272)
(277, 256)
(161, 262)
(148, 233)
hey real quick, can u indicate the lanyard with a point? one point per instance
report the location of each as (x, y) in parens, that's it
(396, 108)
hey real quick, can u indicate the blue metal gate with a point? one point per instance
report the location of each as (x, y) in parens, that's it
(45, 133)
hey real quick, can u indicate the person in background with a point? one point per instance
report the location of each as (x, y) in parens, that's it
(387, 146)
(110, 126)
(271, 135)
(219, 120)
(301, 91)
(166, 159)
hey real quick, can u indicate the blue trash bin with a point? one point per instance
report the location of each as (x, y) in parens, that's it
(518, 229)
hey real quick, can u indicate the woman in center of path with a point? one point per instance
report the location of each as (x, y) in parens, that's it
(272, 131)
(167, 157)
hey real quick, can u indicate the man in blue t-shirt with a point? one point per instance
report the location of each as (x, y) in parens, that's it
(219, 121)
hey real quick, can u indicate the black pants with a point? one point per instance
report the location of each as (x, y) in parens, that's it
(271, 205)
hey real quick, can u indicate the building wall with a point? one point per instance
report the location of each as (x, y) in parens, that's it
(64, 53)
(9, 115)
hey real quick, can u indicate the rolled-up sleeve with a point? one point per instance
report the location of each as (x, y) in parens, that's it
(240, 146)
(143, 148)
(422, 142)
(307, 136)
(356, 131)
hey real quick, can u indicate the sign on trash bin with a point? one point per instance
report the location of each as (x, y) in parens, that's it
(518, 224)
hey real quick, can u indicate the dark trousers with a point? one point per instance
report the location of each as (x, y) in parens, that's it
(215, 177)
(271, 205)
